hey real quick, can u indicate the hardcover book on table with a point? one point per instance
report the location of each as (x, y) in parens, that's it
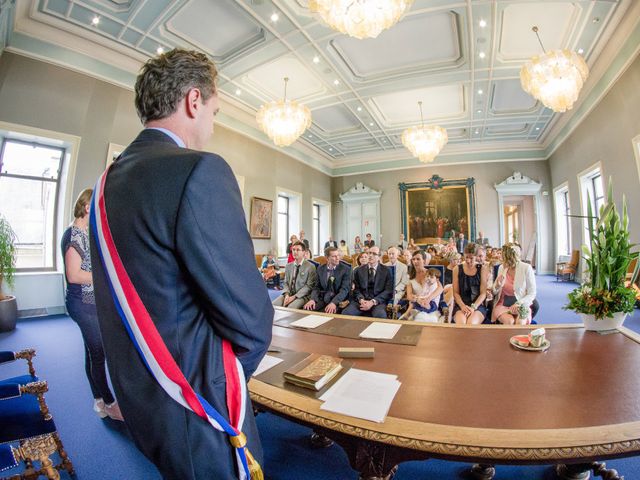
(314, 372)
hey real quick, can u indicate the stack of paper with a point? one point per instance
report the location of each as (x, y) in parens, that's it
(362, 394)
(380, 330)
(267, 362)
(310, 321)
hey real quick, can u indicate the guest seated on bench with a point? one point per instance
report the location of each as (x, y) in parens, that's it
(271, 270)
(299, 279)
(373, 288)
(333, 284)
(469, 289)
(514, 289)
(423, 291)
(401, 274)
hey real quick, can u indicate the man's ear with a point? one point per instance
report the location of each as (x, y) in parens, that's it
(194, 101)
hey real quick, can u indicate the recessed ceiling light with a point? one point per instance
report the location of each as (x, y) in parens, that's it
(330, 149)
(238, 91)
(371, 124)
(359, 109)
(159, 50)
(537, 128)
(482, 54)
(478, 111)
(274, 17)
(95, 20)
(482, 23)
(310, 136)
(316, 59)
(580, 51)
(336, 82)
(595, 19)
(477, 132)
(480, 92)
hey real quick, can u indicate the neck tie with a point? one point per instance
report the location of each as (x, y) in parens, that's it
(372, 280)
(295, 277)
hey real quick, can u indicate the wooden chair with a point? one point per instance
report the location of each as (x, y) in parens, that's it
(28, 431)
(321, 260)
(567, 270)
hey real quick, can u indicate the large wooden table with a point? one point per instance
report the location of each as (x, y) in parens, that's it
(468, 395)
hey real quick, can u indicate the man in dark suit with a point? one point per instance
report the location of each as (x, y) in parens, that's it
(333, 284)
(373, 288)
(330, 243)
(461, 242)
(369, 242)
(172, 210)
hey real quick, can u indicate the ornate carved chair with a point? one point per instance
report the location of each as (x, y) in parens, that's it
(567, 270)
(28, 432)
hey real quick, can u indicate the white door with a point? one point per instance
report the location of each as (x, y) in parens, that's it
(354, 222)
(370, 220)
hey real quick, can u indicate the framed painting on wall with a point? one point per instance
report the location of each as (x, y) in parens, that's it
(437, 209)
(260, 219)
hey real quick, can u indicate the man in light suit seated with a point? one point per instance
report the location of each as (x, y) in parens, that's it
(401, 274)
(299, 279)
(373, 288)
(333, 285)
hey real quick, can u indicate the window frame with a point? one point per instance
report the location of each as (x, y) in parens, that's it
(315, 220)
(286, 215)
(562, 203)
(58, 191)
(587, 191)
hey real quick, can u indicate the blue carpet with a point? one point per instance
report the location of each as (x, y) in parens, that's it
(102, 449)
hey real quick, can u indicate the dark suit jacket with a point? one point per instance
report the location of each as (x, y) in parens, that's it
(461, 245)
(332, 291)
(328, 244)
(369, 243)
(382, 289)
(178, 224)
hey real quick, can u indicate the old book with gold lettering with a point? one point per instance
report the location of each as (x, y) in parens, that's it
(314, 372)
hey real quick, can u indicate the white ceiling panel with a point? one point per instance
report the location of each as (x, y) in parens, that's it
(399, 108)
(216, 27)
(334, 119)
(512, 128)
(555, 21)
(268, 79)
(417, 41)
(508, 98)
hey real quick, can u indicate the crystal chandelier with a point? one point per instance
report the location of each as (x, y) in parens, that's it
(424, 142)
(360, 18)
(283, 120)
(555, 78)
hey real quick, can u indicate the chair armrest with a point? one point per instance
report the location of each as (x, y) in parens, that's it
(26, 354)
(9, 390)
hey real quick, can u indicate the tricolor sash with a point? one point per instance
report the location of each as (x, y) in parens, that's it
(154, 352)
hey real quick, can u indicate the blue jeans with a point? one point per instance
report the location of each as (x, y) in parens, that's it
(86, 316)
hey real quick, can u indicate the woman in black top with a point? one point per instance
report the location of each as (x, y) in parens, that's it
(468, 278)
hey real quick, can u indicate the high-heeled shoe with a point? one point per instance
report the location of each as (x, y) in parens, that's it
(113, 410)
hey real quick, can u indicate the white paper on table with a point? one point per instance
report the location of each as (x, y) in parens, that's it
(267, 362)
(380, 330)
(280, 314)
(310, 321)
(362, 394)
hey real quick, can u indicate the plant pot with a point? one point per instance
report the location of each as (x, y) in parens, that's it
(8, 313)
(591, 324)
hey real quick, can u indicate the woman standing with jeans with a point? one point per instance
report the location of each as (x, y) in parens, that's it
(81, 305)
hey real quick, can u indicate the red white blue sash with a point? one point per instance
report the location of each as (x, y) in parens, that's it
(154, 352)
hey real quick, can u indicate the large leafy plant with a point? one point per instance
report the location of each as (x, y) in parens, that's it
(604, 291)
(7, 254)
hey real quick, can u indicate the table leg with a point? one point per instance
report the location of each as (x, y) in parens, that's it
(582, 471)
(482, 471)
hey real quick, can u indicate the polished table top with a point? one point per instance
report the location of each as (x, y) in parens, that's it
(467, 393)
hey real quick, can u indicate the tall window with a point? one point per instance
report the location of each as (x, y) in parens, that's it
(29, 185)
(591, 192)
(283, 225)
(316, 229)
(563, 221)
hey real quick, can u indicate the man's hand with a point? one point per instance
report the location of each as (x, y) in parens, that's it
(310, 305)
(288, 299)
(366, 305)
(330, 308)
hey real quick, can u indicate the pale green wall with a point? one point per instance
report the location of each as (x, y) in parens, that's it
(605, 135)
(486, 176)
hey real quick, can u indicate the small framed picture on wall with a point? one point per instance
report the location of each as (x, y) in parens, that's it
(260, 220)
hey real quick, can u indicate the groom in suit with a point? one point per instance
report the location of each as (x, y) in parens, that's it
(299, 279)
(171, 210)
(373, 288)
(333, 285)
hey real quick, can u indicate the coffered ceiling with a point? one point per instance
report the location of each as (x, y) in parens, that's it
(461, 58)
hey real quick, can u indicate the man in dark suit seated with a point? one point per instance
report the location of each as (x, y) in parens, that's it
(330, 243)
(369, 242)
(373, 288)
(333, 284)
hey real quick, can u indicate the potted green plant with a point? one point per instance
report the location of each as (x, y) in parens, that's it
(604, 299)
(8, 305)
